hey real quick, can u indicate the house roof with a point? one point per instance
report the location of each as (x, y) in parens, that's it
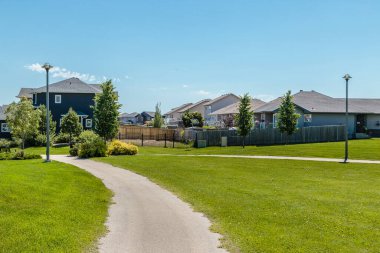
(129, 115)
(220, 98)
(176, 109)
(315, 102)
(204, 101)
(71, 85)
(25, 92)
(234, 108)
(151, 114)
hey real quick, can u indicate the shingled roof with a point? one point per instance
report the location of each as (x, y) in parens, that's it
(220, 98)
(234, 108)
(204, 101)
(176, 109)
(315, 102)
(71, 85)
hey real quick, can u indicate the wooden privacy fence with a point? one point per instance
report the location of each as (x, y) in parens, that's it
(272, 136)
(146, 133)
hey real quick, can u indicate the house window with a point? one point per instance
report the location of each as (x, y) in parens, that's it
(4, 128)
(275, 119)
(307, 118)
(58, 99)
(88, 123)
(35, 98)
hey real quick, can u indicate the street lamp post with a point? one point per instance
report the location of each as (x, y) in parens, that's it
(47, 67)
(346, 77)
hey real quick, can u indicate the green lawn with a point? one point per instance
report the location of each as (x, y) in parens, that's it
(42, 150)
(272, 205)
(358, 149)
(50, 207)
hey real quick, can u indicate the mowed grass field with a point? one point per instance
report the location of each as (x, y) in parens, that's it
(271, 205)
(50, 207)
(358, 149)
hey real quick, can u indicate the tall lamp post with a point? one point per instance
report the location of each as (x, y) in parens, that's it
(47, 67)
(346, 77)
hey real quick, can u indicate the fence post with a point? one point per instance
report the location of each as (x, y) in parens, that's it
(173, 138)
(119, 135)
(142, 140)
(196, 140)
(165, 140)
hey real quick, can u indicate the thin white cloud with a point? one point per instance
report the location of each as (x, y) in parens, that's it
(185, 86)
(59, 72)
(203, 92)
(127, 77)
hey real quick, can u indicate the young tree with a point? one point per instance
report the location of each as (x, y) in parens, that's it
(191, 119)
(42, 121)
(158, 121)
(287, 116)
(23, 120)
(71, 125)
(245, 117)
(106, 111)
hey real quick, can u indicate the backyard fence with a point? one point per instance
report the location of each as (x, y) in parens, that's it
(269, 136)
(148, 135)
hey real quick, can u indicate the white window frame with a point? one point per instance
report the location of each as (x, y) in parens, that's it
(58, 101)
(309, 116)
(5, 128)
(88, 123)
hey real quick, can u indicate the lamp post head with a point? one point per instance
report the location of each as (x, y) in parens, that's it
(47, 67)
(347, 77)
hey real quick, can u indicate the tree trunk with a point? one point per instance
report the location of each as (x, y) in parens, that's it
(243, 141)
(71, 144)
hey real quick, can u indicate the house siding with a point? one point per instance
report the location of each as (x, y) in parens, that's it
(80, 102)
(4, 135)
(228, 100)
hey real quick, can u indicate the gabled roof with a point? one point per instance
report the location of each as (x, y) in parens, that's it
(220, 98)
(71, 85)
(315, 102)
(177, 109)
(151, 114)
(25, 92)
(202, 102)
(129, 115)
(234, 108)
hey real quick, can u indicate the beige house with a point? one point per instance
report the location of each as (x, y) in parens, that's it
(230, 111)
(196, 107)
(217, 104)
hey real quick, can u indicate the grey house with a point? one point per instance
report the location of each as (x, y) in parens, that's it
(68, 93)
(134, 118)
(147, 116)
(317, 109)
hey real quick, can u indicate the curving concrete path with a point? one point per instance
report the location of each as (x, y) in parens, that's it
(146, 218)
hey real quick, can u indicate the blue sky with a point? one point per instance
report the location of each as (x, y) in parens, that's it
(177, 51)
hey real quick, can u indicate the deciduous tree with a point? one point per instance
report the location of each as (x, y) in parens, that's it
(71, 125)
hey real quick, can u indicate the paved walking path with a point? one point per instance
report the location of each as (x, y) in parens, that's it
(318, 159)
(146, 218)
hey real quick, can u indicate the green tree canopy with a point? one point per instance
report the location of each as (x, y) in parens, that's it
(71, 125)
(42, 122)
(287, 116)
(244, 119)
(158, 121)
(191, 119)
(106, 111)
(23, 120)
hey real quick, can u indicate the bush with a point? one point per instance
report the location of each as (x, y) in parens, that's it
(120, 148)
(74, 150)
(40, 140)
(91, 145)
(62, 138)
(19, 155)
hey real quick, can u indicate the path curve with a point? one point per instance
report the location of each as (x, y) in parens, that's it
(298, 158)
(146, 218)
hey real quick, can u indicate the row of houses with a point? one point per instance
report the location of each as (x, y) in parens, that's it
(315, 109)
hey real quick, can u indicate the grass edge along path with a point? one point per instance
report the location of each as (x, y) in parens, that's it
(274, 206)
(50, 207)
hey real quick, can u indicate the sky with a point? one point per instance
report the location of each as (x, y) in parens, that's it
(180, 51)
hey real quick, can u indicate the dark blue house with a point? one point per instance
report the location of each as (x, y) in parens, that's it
(68, 93)
(4, 130)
